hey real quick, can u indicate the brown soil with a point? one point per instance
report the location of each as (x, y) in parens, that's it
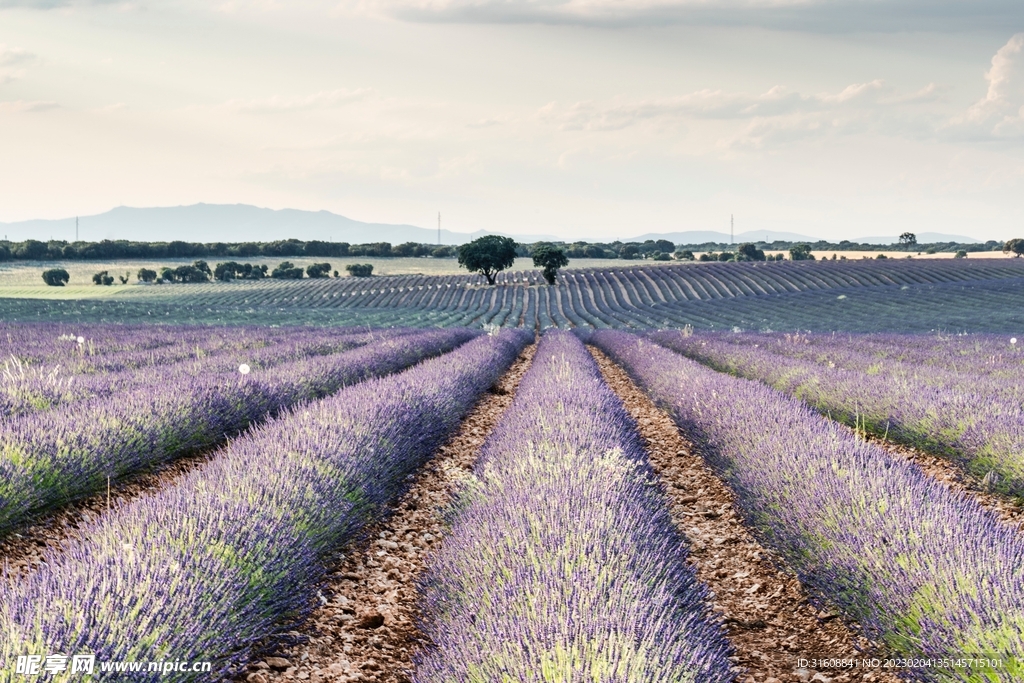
(23, 552)
(365, 627)
(767, 614)
(948, 473)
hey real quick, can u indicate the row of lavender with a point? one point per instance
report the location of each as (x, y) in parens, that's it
(986, 354)
(51, 458)
(928, 571)
(92, 345)
(563, 563)
(978, 420)
(206, 568)
(987, 362)
(28, 387)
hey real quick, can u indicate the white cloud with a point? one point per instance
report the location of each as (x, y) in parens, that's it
(777, 115)
(21, 106)
(13, 56)
(13, 61)
(1001, 111)
(319, 100)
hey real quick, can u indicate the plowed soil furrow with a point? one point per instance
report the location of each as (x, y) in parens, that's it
(365, 627)
(770, 619)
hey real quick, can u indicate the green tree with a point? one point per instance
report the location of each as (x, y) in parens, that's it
(488, 255)
(360, 269)
(227, 271)
(801, 252)
(908, 239)
(317, 270)
(748, 251)
(960, 254)
(146, 275)
(550, 258)
(286, 270)
(664, 246)
(629, 251)
(1014, 246)
(56, 277)
(102, 278)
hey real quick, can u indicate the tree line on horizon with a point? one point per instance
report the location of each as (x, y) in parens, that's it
(487, 256)
(58, 250)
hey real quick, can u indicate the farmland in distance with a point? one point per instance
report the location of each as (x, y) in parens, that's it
(978, 295)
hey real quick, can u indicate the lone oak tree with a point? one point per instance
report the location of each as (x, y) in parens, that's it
(550, 258)
(488, 255)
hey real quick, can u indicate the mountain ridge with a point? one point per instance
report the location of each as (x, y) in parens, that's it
(246, 223)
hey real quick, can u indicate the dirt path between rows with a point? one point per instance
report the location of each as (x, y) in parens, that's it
(767, 614)
(365, 627)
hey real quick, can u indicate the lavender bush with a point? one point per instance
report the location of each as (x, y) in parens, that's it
(230, 554)
(927, 570)
(48, 459)
(27, 387)
(563, 563)
(978, 420)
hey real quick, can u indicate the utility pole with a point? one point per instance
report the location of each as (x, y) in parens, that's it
(438, 228)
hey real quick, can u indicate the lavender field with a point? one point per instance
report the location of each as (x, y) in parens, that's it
(868, 295)
(252, 503)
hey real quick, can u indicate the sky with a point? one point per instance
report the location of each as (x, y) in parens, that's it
(579, 118)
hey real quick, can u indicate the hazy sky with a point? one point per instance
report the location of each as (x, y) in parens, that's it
(597, 118)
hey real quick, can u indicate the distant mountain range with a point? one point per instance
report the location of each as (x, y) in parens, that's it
(244, 223)
(704, 236)
(232, 223)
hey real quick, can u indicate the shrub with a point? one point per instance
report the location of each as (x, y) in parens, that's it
(960, 254)
(146, 275)
(199, 271)
(56, 277)
(749, 252)
(286, 270)
(801, 252)
(101, 278)
(684, 255)
(319, 270)
(629, 251)
(360, 269)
